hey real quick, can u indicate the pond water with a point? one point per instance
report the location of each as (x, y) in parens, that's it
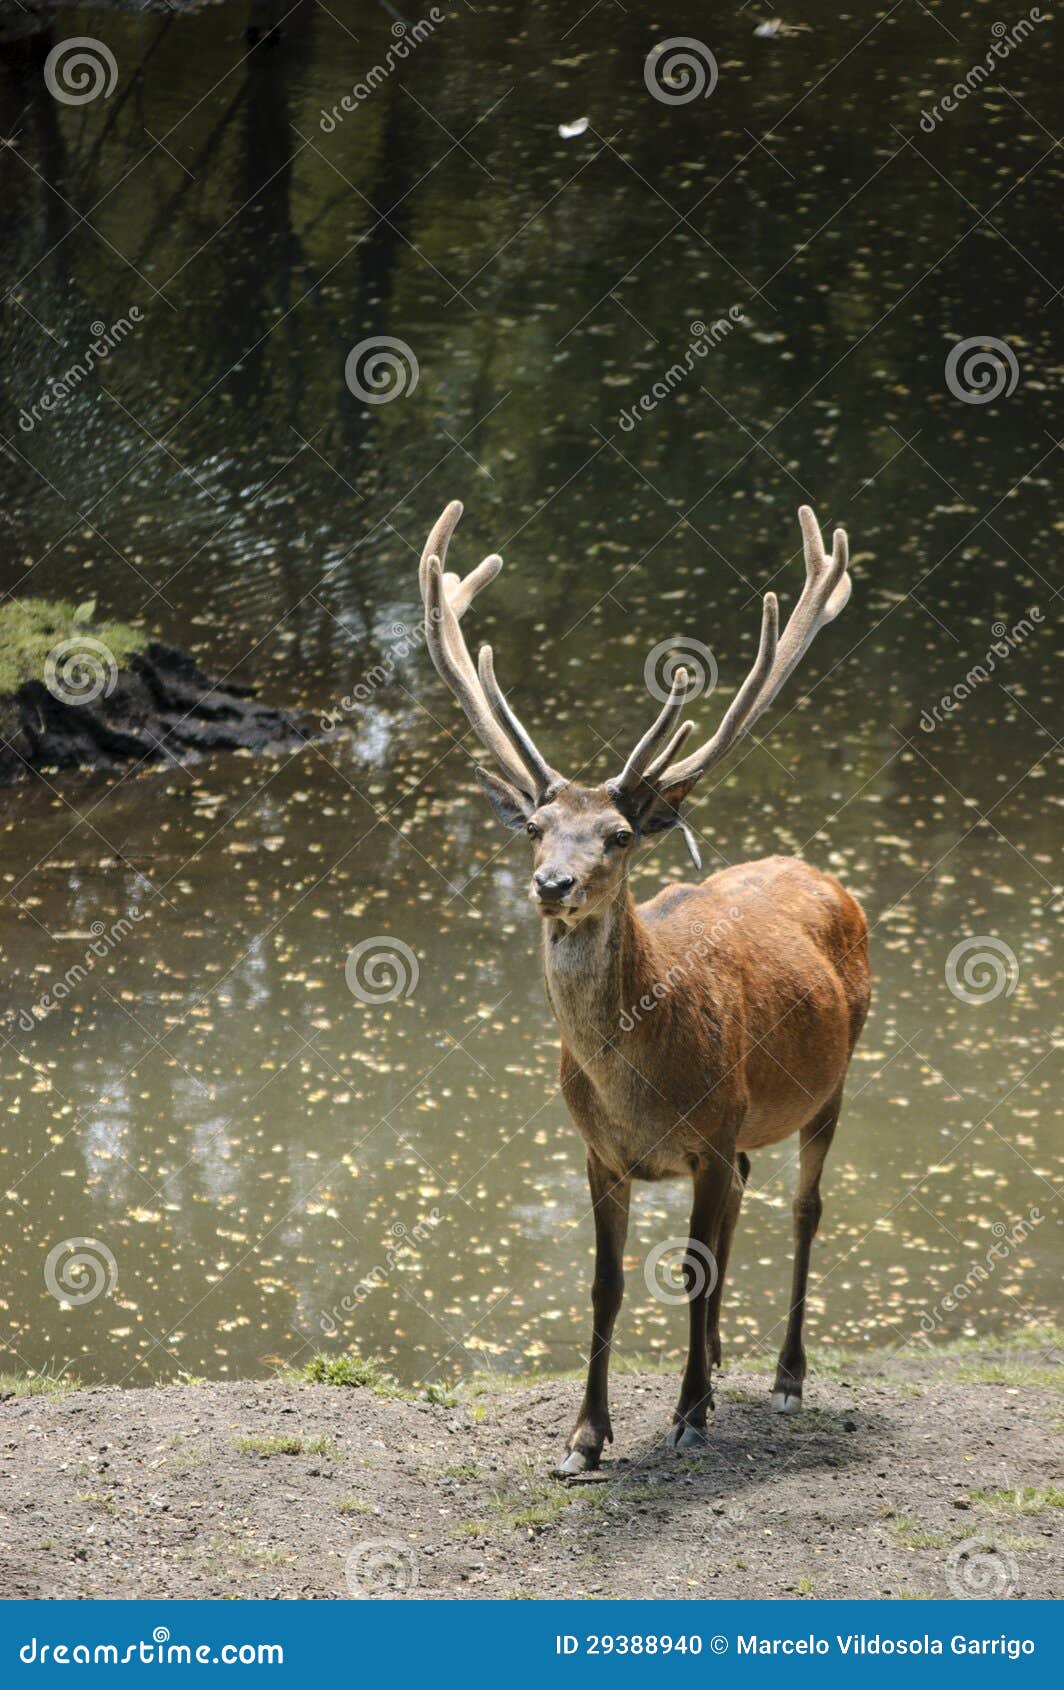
(274, 1164)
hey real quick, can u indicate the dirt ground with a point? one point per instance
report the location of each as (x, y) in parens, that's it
(296, 1490)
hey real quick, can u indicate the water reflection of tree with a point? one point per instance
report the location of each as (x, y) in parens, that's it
(257, 265)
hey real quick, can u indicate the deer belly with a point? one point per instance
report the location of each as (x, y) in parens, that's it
(772, 1123)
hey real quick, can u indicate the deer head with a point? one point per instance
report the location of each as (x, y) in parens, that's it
(584, 837)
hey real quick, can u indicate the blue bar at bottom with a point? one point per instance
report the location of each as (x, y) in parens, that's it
(460, 1643)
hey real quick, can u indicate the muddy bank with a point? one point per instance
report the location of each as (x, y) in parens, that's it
(160, 706)
(927, 1479)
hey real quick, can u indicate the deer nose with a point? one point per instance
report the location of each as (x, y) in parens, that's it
(549, 884)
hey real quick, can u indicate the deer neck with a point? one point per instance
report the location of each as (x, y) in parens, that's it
(595, 970)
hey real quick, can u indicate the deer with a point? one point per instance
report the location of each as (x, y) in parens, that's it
(707, 1023)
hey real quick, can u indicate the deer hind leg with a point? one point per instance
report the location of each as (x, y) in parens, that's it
(816, 1137)
(713, 1186)
(723, 1251)
(610, 1198)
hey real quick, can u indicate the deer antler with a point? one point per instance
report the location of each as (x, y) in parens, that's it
(446, 598)
(649, 748)
(826, 592)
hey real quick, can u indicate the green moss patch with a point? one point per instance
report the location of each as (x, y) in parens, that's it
(31, 628)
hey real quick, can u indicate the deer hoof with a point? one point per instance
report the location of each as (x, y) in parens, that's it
(786, 1402)
(577, 1461)
(688, 1437)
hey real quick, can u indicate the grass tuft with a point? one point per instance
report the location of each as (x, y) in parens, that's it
(1025, 1499)
(42, 1384)
(260, 1445)
(914, 1536)
(1023, 1372)
(365, 1373)
(351, 1370)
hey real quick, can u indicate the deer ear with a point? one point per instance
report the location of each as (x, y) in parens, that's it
(659, 811)
(512, 807)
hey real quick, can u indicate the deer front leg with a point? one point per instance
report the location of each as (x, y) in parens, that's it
(610, 1198)
(722, 1250)
(713, 1184)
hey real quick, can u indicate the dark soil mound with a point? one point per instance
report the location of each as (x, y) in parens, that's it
(160, 707)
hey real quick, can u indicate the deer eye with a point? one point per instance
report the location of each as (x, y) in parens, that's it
(621, 837)
(533, 831)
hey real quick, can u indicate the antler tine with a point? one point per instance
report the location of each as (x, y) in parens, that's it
(439, 539)
(826, 580)
(826, 593)
(665, 757)
(739, 713)
(636, 766)
(446, 599)
(516, 733)
(462, 593)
